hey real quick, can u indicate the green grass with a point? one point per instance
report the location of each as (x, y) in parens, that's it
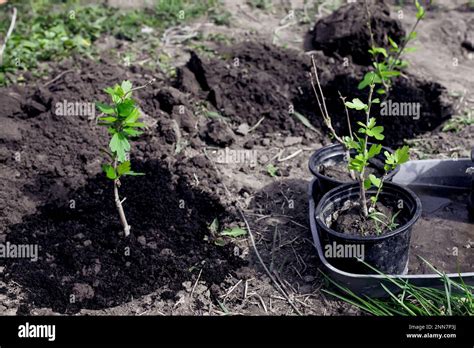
(458, 122)
(455, 298)
(52, 30)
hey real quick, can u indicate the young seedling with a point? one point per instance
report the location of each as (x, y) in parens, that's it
(369, 130)
(121, 120)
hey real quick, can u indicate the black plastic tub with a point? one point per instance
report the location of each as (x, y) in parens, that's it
(335, 153)
(388, 252)
(429, 179)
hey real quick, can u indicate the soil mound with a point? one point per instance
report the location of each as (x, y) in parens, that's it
(81, 252)
(268, 81)
(345, 33)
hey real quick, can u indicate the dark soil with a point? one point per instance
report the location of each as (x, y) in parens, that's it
(345, 33)
(338, 171)
(83, 252)
(268, 81)
(350, 220)
(49, 162)
(262, 83)
(46, 161)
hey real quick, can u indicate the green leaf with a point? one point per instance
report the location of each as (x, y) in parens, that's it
(372, 122)
(108, 119)
(367, 184)
(305, 121)
(126, 108)
(234, 232)
(133, 116)
(374, 150)
(376, 132)
(421, 11)
(213, 114)
(126, 86)
(110, 91)
(403, 154)
(109, 171)
(356, 104)
(123, 167)
(118, 91)
(214, 226)
(219, 242)
(350, 143)
(369, 78)
(388, 74)
(272, 170)
(132, 132)
(106, 109)
(375, 181)
(120, 145)
(380, 91)
(357, 163)
(136, 125)
(392, 43)
(376, 101)
(378, 50)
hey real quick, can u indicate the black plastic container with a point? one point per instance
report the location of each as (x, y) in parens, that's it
(335, 153)
(388, 252)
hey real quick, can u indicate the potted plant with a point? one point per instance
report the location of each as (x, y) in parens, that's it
(329, 164)
(369, 219)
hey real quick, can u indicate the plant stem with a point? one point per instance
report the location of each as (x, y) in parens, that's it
(363, 199)
(405, 42)
(138, 87)
(322, 106)
(372, 43)
(118, 204)
(372, 205)
(348, 153)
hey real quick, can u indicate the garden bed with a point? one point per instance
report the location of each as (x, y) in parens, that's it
(247, 97)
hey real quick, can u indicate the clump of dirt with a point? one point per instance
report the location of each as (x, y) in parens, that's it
(345, 32)
(254, 80)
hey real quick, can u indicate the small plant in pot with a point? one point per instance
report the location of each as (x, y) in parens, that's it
(370, 218)
(329, 164)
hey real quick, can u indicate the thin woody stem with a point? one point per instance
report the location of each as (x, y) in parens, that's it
(362, 176)
(348, 154)
(137, 88)
(322, 106)
(118, 204)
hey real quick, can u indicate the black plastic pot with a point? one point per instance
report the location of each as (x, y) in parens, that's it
(335, 153)
(388, 252)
